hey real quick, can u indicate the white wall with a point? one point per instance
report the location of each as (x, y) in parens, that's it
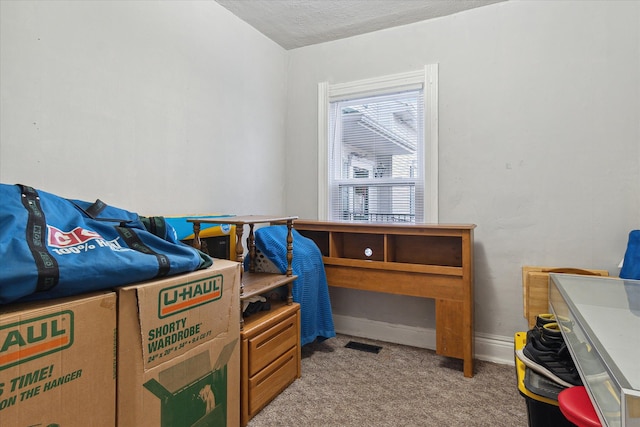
(162, 107)
(155, 107)
(539, 106)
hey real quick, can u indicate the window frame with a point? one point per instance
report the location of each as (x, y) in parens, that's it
(426, 78)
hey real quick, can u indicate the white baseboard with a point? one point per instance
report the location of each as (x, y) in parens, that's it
(492, 348)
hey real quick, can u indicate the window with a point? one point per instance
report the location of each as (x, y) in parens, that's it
(378, 149)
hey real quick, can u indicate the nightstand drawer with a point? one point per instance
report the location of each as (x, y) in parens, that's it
(267, 346)
(267, 384)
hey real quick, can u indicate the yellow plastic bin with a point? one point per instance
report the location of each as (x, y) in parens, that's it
(542, 411)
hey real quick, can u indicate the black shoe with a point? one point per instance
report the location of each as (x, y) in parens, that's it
(541, 385)
(555, 363)
(543, 321)
(545, 318)
(551, 336)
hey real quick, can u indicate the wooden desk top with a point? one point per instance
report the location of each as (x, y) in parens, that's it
(345, 225)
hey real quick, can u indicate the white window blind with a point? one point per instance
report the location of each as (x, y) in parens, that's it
(376, 157)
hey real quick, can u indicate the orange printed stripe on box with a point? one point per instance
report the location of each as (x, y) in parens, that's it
(40, 348)
(191, 302)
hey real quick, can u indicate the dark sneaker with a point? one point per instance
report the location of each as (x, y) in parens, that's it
(551, 336)
(541, 385)
(541, 320)
(544, 318)
(544, 321)
(555, 363)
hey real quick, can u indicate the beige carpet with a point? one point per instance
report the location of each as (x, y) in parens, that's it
(399, 386)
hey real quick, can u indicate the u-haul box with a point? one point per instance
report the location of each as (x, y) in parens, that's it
(57, 362)
(179, 350)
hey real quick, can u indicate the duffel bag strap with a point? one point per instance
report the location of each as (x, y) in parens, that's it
(96, 209)
(155, 225)
(36, 235)
(134, 242)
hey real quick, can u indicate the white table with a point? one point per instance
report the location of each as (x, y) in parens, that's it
(603, 315)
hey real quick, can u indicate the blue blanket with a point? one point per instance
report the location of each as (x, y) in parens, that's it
(310, 289)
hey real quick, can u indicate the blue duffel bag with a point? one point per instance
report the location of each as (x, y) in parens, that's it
(52, 247)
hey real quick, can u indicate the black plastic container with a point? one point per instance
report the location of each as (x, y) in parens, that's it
(541, 411)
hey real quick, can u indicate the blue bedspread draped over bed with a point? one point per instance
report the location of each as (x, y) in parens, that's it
(310, 289)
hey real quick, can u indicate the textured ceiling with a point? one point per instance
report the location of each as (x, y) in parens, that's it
(297, 23)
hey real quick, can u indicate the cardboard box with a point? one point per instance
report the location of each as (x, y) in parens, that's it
(57, 362)
(179, 351)
(535, 288)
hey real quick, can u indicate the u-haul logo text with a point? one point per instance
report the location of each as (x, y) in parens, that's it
(186, 296)
(32, 338)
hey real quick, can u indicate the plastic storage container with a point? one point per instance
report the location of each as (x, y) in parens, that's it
(541, 411)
